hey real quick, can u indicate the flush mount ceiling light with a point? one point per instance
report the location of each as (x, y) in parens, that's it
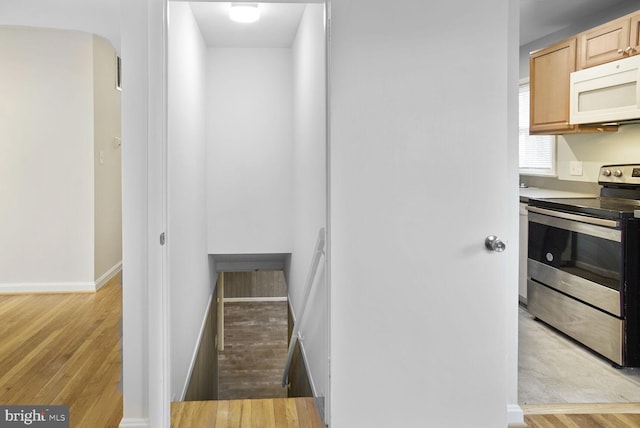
(244, 12)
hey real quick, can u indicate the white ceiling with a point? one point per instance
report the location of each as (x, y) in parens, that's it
(276, 27)
(279, 21)
(539, 18)
(101, 17)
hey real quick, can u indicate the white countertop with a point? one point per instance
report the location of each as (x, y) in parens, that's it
(527, 193)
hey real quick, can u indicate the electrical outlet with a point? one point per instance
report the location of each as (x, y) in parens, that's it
(575, 168)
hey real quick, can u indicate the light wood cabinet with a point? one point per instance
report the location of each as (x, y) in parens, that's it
(634, 33)
(609, 42)
(549, 71)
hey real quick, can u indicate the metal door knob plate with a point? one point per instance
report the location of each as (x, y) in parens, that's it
(492, 243)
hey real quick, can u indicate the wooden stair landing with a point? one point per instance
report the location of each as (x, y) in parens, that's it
(267, 413)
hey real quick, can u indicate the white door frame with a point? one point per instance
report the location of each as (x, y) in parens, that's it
(158, 286)
(145, 364)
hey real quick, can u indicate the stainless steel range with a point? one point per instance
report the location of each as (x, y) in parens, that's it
(583, 266)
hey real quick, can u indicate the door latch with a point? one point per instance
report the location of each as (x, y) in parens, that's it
(162, 238)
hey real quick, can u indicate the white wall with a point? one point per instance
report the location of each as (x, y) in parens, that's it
(101, 17)
(190, 288)
(107, 163)
(46, 147)
(595, 150)
(62, 224)
(309, 187)
(249, 137)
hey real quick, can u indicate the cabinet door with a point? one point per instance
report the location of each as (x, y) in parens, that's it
(634, 34)
(549, 71)
(605, 43)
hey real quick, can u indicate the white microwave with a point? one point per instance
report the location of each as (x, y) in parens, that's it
(607, 93)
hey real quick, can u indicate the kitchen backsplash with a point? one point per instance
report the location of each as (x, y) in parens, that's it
(593, 151)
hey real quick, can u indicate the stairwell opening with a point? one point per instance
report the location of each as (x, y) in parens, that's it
(246, 336)
(252, 334)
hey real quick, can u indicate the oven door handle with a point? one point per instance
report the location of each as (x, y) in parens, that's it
(569, 222)
(575, 217)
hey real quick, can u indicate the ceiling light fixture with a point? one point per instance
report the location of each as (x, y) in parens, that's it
(244, 12)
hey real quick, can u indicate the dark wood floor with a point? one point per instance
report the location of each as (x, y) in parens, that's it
(255, 352)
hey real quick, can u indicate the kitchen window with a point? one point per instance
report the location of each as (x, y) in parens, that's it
(537, 152)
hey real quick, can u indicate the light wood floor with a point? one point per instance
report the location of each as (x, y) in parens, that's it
(606, 420)
(63, 349)
(267, 413)
(616, 415)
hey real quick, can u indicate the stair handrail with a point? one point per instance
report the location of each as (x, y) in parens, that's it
(311, 275)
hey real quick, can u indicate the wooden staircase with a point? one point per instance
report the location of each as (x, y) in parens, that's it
(249, 362)
(267, 413)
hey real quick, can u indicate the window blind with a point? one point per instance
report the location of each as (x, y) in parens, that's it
(537, 152)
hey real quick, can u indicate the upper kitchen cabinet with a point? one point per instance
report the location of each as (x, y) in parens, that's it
(610, 41)
(634, 33)
(549, 70)
(549, 73)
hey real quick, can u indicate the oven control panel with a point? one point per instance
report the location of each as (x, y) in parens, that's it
(623, 174)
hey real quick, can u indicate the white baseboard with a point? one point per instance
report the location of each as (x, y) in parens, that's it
(303, 354)
(134, 423)
(194, 356)
(320, 400)
(515, 416)
(108, 275)
(47, 287)
(60, 287)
